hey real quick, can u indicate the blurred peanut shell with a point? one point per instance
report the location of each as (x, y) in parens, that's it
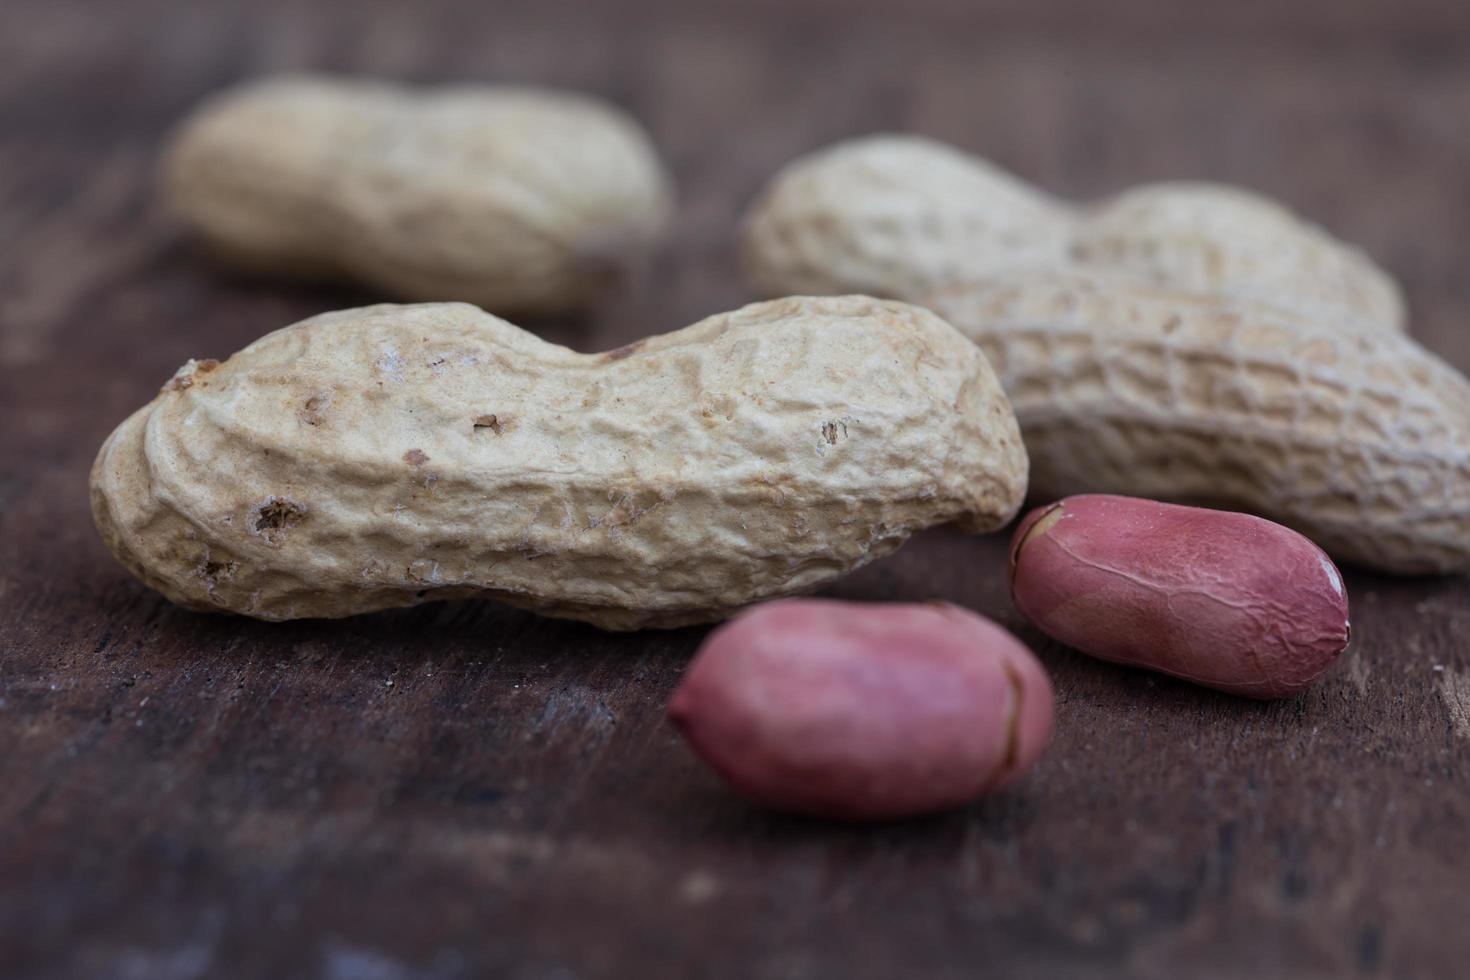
(515, 199)
(896, 215)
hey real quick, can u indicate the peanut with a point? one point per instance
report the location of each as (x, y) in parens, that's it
(893, 216)
(1179, 344)
(898, 216)
(1226, 600)
(390, 455)
(1360, 440)
(516, 199)
(864, 712)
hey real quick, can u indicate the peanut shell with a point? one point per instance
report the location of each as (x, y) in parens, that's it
(516, 199)
(391, 455)
(901, 215)
(1360, 440)
(1180, 341)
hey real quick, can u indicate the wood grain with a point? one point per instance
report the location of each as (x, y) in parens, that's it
(463, 790)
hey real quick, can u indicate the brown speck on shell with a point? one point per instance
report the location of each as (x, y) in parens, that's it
(275, 516)
(627, 350)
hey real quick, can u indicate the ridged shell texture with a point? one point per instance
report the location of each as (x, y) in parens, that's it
(1187, 342)
(385, 456)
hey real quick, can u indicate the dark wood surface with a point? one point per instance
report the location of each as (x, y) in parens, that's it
(463, 790)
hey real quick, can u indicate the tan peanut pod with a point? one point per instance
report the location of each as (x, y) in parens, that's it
(898, 216)
(1217, 240)
(895, 216)
(515, 199)
(1360, 440)
(391, 455)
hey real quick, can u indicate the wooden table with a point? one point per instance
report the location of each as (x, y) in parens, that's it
(462, 790)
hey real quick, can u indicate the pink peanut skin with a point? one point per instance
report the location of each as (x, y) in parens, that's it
(860, 711)
(1226, 600)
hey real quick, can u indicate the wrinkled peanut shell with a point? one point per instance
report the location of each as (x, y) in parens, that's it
(1189, 342)
(392, 455)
